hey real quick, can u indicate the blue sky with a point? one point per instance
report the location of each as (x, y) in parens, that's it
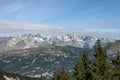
(19, 16)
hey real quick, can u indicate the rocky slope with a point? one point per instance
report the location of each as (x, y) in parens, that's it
(45, 60)
(113, 47)
(31, 41)
(11, 76)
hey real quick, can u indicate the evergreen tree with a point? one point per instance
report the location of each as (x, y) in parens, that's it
(116, 63)
(100, 69)
(56, 76)
(63, 75)
(86, 62)
(79, 70)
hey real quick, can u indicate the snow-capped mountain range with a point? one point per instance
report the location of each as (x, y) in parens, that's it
(46, 54)
(36, 40)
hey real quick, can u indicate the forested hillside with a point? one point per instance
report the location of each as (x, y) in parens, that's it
(84, 69)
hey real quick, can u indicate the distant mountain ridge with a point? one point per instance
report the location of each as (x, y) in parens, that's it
(45, 60)
(36, 40)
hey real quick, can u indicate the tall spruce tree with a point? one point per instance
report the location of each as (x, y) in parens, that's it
(116, 63)
(79, 71)
(86, 62)
(100, 69)
(81, 68)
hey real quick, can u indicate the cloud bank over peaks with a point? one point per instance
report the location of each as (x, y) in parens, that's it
(11, 28)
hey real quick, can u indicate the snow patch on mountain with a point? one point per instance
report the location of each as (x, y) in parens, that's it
(31, 41)
(8, 78)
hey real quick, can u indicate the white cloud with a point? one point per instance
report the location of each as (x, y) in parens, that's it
(26, 26)
(102, 25)
(12, 28)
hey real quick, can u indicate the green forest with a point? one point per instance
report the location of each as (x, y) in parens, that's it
(98, 69)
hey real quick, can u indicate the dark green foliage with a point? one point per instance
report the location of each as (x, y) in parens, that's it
(116, 63)
(42, 78)
(86, 62)
(79, 71)
(81, 68)
(1, 75)
(63, 75)
(100, 69)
